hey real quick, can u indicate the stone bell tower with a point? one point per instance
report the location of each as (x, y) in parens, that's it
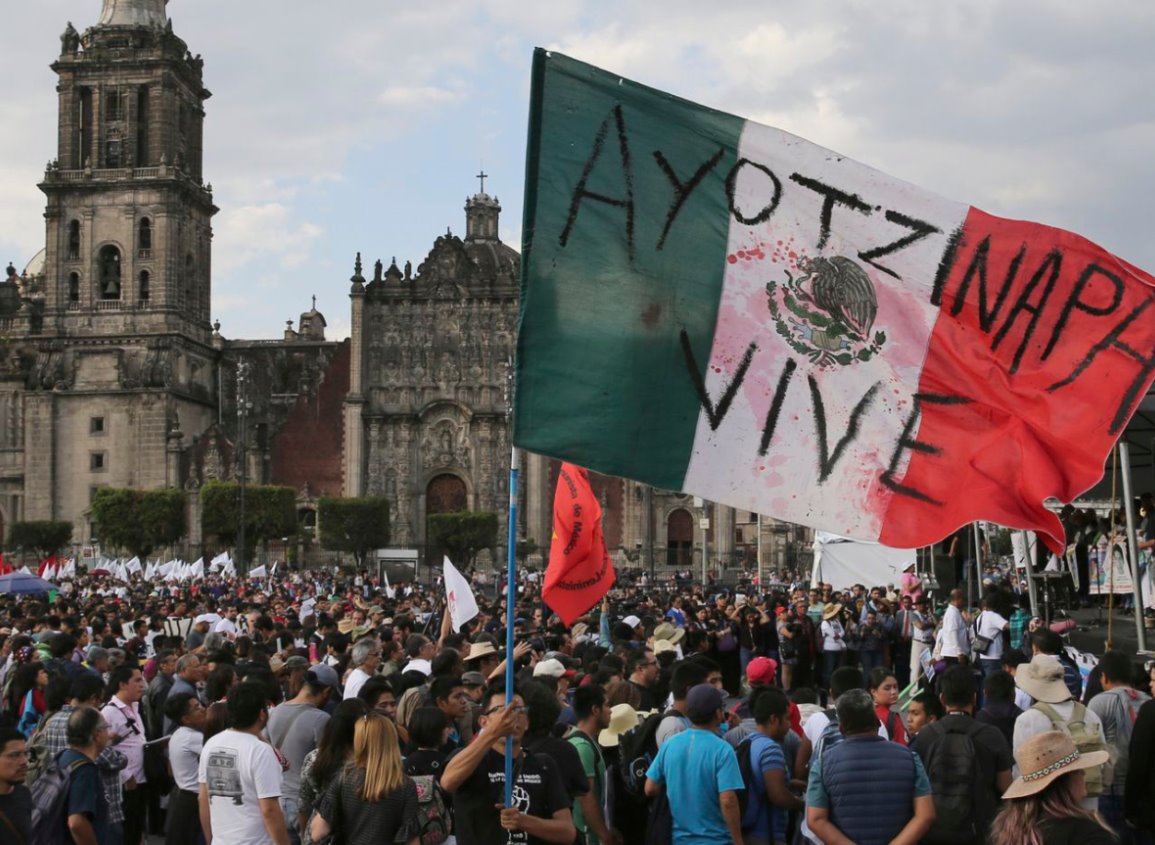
(123, 349)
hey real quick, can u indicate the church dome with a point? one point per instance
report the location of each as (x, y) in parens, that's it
(494, 259)
(35, 267)
(133, 13)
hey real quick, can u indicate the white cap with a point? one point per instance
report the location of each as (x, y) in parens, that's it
(551, 668)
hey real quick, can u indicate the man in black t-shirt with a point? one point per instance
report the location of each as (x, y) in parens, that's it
(475, 777)
(15, 799)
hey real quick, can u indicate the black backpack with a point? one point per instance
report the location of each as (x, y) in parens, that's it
(638, 749)
(49, 802)
(748, 778)
(952, 767)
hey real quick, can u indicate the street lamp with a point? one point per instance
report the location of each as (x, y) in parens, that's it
(243, 408)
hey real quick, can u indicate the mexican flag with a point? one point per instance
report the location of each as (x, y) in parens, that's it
(725, 309)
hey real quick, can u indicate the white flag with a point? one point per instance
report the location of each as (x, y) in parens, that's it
(198, 568)
(150, 570)
(49, 573)
(134, 565)
(258, 572)
(390, 593)
(459, 595)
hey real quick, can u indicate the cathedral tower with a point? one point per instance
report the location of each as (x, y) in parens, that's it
(123, 354)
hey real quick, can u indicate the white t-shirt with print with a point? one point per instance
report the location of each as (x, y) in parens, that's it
(239, 770)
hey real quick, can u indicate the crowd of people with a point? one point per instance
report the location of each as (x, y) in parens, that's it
(318, 708)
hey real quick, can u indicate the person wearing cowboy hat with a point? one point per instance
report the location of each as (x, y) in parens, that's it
(1045, 804)
(1054, 709)
(833, 641)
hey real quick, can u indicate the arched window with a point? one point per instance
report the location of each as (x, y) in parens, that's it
(142, 292)
(109, 272)
(73, 287)
(74, 240)
(144, 240)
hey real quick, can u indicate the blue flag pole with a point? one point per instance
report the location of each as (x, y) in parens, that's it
(510, 591)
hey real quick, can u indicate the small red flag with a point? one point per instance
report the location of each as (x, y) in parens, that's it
(580, 571)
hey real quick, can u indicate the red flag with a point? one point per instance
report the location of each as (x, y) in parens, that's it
(580, 571)
(47, 562)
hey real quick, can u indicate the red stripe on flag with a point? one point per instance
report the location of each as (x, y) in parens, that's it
(1043, 347)
(580, 571)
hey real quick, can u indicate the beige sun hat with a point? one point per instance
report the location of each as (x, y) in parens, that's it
(668, 631)
(662, 646)
(481, 649)
(1042, 679)
(832, 610)
(623, 719)
(1047, 756)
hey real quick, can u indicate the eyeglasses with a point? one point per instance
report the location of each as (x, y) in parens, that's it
(520, 711)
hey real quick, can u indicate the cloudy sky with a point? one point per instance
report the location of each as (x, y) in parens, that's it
(359, 124)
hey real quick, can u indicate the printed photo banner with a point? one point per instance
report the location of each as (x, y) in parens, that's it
(725, 309)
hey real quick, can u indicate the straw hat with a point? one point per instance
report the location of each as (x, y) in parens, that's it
(1045, 757)
(1042, 679)
(662, 646)
(481, 649)
(623, 719)
(832, 610)
(667, 631)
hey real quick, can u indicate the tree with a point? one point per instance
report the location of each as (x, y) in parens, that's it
(138, 521)
(355, 525)
(44, 538)
(270, 512)
(462, 535)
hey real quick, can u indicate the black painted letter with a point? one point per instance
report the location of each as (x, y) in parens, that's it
(581, 192)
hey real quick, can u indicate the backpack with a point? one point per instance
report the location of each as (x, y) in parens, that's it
(432, 812)
(38, 757)
(755, 785)
(49, 802)
(891, 724)
(831, 735)
(952, 767)
(639, 750)
(1086, 737)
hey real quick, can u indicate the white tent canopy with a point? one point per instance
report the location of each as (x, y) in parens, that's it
(842, 562)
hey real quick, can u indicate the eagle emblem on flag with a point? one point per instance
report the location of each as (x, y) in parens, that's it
(827, 311)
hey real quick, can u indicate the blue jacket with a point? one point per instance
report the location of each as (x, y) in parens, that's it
(871, 784)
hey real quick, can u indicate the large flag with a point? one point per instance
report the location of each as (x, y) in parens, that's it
(458, 596)
(258, 572)
(580, 571)
(725, 309)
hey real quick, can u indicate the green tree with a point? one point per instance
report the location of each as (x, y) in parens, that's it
(44, 538)
(270, 512)
(138, 521)
(355, 525)
(462, 535)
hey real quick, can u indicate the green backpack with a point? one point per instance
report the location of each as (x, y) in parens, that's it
(1087, 738)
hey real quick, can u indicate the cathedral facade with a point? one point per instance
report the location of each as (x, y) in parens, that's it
(111, 373)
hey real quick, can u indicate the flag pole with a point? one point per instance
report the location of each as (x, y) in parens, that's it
(511, 544)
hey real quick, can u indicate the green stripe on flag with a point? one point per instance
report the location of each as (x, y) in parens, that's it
(602, 377)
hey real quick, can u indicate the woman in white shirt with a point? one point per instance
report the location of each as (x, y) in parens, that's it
(833, 642)
(183, 824)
